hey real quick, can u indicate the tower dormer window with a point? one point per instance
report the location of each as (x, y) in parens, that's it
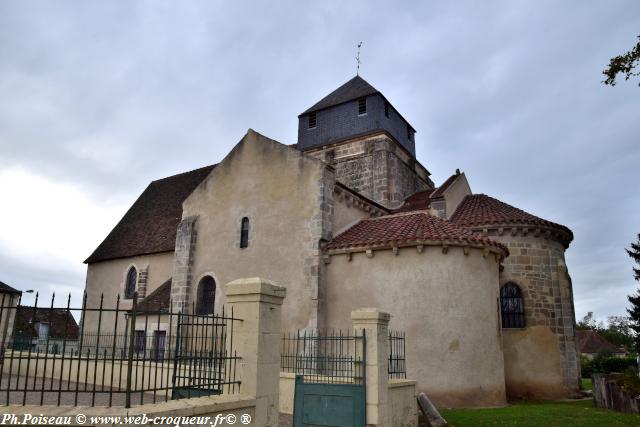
(312, 120)
(408, 132)
(362, 106)
(386, 109)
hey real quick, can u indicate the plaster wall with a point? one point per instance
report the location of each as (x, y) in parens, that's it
(445, 303)
(456, 192)
(345, 214)
(286, 196)
(108, 278)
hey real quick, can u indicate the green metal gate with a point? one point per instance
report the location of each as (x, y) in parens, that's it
(330, 378)
(204, 361)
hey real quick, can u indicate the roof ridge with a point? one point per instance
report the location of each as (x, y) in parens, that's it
(184, 173)
(354, 88)
(403, 213)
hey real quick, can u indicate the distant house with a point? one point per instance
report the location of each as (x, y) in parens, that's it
(45, 329)
(590, 344)
(8, 300)
(152, 324)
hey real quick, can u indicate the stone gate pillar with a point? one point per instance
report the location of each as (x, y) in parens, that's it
(376, 326)
(258, 305)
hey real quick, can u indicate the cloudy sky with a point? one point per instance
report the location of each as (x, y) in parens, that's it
(99, 98)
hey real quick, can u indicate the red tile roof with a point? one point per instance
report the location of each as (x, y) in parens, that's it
(478, 210)
(410, 227)
(592, 343)
(150, 225)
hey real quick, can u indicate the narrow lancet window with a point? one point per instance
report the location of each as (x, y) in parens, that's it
(244, 233)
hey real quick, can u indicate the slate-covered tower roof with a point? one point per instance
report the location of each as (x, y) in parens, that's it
(354, 109)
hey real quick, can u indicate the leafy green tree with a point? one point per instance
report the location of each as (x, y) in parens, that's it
(619, 332)
(625, 64)
(634, 311)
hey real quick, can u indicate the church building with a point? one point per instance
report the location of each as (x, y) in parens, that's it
(349, 218)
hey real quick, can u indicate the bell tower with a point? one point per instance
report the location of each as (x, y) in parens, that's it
(367, 141)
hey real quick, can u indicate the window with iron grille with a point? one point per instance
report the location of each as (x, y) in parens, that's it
(312, 120)
(244, 233)
(130, 284)
(206, 296)
(362, 106)
(512, 306)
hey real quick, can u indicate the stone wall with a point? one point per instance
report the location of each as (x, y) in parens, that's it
(536, 264)
(376, 167)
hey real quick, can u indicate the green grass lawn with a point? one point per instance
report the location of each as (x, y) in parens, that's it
(580, 413)
(585, 384)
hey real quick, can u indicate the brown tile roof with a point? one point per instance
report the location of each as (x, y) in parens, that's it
(477, 210)
(158, 300)
(591, 342)
(410, 227)
(58, 319)
(6, 289)
(149, 226)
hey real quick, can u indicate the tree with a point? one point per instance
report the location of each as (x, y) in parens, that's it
(624, 64)
(634, 311)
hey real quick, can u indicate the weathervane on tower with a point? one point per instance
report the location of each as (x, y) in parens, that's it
(358, 60)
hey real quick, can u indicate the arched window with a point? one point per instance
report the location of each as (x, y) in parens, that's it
(206, 295)
(512, 306)
(244, 233)
(130, 284)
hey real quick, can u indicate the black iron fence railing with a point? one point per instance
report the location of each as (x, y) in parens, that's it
(112, 355)
(397, 348)
(335, 357)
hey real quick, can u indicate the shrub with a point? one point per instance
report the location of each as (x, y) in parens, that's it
(606, 364)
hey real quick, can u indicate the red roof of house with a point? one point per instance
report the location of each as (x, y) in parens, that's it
(61, 322)
(150, 225)
(409, 227)
(479, 209)
(591, 342)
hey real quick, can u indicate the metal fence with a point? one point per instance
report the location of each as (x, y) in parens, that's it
(397, 362)
(115, 356)
(334, 357)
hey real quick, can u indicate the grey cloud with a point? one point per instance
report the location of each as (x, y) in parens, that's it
(108, 96)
